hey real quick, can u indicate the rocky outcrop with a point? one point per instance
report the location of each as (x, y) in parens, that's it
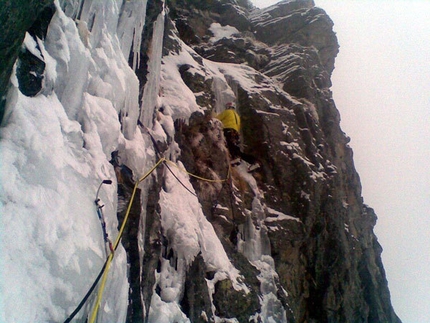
(319, 231)
(17, 18)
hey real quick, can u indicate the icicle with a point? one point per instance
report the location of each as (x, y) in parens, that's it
(150, 94)
(130, 28)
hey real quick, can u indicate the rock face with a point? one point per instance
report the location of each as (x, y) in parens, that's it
(326, 255)
(296, 231)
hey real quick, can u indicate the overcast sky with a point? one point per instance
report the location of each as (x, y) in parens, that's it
(381, 86)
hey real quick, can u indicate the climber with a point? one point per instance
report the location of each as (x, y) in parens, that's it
(231, 124)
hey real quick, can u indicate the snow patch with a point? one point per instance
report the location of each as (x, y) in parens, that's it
(221, 32)
(279, 216)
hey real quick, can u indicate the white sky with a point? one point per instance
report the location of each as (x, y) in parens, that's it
(381, 87)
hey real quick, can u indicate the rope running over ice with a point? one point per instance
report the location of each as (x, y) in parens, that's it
(105, 269)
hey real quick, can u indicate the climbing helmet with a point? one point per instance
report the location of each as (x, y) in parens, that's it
(230, 105)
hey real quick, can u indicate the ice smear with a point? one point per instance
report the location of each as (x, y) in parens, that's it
(32, 45)
(188, 230)
(254, 243)
(188, 233)
(272, 309)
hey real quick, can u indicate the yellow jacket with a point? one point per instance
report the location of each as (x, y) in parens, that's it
(230, 119)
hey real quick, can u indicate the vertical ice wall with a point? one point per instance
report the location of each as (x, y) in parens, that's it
(55, 151)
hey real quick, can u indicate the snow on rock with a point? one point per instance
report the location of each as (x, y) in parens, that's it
(220, 32)
(175, 94)
(187, 229)
(162, 312)
(279, 216)
(188, 233)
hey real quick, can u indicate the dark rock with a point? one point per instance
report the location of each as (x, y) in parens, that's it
(230, 303)
(17, 17)
(31, 67)
(299, 69)
(306, 26)
(196, 298)
(233, 15)
(141, 274)
(152, 252)
(40, 27)
(29, 72)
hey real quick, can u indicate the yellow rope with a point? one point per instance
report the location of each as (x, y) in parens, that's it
(198, 177)
(102, 287)
(118, 239)
(121, 230)
(132, 198)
